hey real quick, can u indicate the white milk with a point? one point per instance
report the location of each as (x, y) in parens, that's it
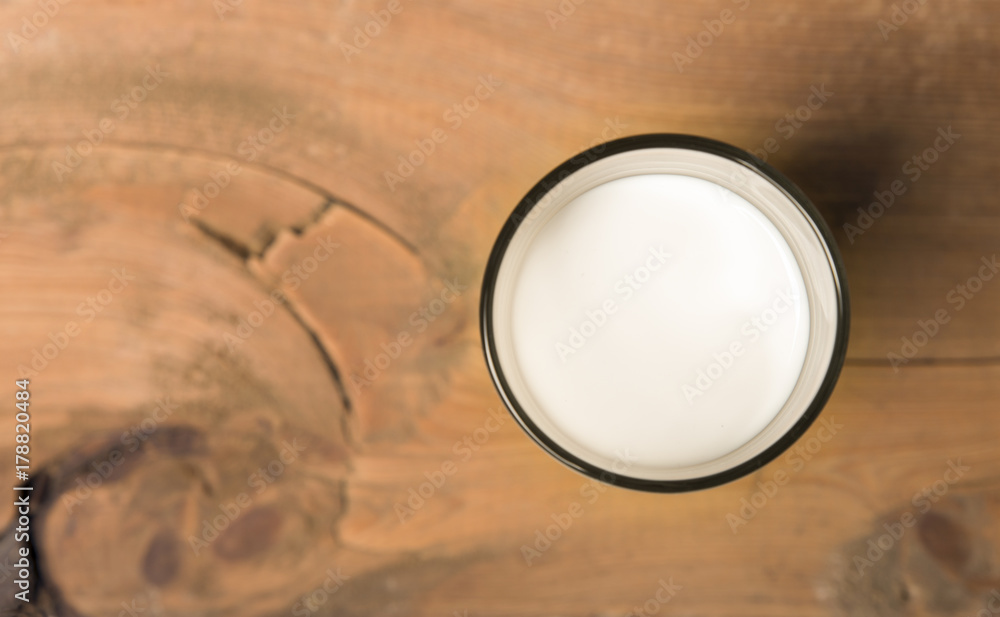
(660, 319)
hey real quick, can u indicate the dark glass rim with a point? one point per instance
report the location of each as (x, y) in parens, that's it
(641, 142)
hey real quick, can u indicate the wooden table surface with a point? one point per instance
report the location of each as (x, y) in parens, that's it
(209, 232)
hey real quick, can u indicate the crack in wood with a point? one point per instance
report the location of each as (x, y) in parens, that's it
(285, 176)
(244, 254)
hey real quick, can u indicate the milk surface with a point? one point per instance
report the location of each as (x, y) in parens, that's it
(659, 318)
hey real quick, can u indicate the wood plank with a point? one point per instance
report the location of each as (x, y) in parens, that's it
(547, 91)
(893, 442)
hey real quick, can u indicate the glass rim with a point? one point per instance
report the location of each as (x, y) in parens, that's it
(659, 141)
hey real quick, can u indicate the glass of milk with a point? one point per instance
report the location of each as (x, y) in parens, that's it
(665, 313)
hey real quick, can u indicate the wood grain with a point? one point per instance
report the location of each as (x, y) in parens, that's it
(342, 370)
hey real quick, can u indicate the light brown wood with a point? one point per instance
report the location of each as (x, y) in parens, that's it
(390, 246)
